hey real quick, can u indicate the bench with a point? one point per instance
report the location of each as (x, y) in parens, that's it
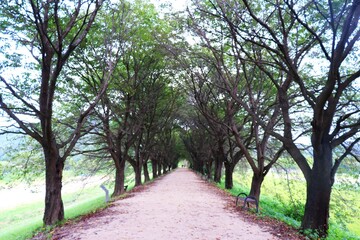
(247, 200)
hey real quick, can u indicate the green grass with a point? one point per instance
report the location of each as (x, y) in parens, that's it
(21, 222)
(85, 206)
(21, 230)
(283, 198)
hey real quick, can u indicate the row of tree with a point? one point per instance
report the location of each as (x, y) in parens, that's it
(270, 78)
(238, 80)
(98, 85)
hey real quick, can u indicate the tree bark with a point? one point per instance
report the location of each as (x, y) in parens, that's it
(256, 182)
(208, 167)
(54, 207)
(198, 166)
(218, 169)
(220, 158)
(146, 172)
(159, 169)
(229, 169)
(316, 215)
(119, 178)
(137, 169)
(154, 168)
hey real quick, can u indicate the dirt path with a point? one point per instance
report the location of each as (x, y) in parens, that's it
(179, 206)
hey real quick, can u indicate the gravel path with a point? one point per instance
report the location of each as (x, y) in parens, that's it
(178, 206)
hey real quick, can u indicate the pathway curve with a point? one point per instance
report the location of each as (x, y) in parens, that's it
(178, 206)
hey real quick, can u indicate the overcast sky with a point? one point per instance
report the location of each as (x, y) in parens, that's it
(177, 5)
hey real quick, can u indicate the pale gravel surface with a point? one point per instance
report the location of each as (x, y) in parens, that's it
(178, 206)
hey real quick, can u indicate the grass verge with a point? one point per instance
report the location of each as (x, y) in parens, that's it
(283, 198)
(22, 222)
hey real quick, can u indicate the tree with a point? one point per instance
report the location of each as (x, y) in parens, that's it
(333, 123)
(217, 110)
(51, 30)
(161, 105)
(290, 33)
(155, 103)
(197, 142)
(144, 80)
(136, 103)
(108, 46)
(249, 94)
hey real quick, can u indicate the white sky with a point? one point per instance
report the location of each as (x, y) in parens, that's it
(177, 5)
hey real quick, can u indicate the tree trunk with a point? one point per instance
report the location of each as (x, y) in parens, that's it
(207, 171)
(164, 168)
(256, 183)
(137, 169)
(119, 179)
(198, 166)
(229, 169)
(146, 172)
(154, 168)
(159, 169)
(219, 160)
(217, 170)
(316, 215)
(54, 207)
